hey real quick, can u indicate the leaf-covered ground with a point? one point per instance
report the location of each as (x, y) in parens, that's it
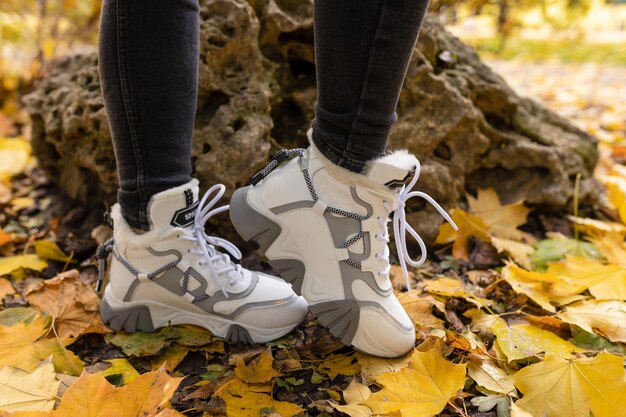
(520, 313)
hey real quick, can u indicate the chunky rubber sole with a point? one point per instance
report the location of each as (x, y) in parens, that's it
(147, 316)
(340, 317)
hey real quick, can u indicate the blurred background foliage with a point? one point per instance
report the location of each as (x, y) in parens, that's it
(35, 32)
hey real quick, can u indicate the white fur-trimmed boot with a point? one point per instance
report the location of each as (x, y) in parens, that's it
(174, 274)
(324, 229)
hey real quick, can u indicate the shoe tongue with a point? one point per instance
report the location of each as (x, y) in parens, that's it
(393, 171)
(175, 207)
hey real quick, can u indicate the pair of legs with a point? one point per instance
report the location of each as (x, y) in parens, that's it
(149, 52)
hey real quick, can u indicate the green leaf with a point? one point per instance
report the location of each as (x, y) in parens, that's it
(555, 249)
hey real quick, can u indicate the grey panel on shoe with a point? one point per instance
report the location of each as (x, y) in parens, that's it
(341, 228)
(291, 270)
(292, 206)
(238, 334)
(361, 202)
(351, 274)
(340, 317)
(129, 319)
(251, 225)
(367, 249)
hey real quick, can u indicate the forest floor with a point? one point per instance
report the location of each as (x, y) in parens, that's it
(519, 314)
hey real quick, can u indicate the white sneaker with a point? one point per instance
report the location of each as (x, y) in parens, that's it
(324, 229)
(174, 274)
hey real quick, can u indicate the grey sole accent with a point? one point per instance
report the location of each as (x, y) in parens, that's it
(238, 334)
(129, 319)
(291, 270)
(340, 317)
(251, 225)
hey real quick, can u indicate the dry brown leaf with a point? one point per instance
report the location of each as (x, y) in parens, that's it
(5, 289)
(71, 302)
(502, 220)
(258, 370)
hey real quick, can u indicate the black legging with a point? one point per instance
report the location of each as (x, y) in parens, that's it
(149, 53)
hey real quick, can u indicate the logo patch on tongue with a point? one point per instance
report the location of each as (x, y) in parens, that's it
(396, 184)
(185, 216)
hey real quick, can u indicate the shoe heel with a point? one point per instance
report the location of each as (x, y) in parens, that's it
(252, 226)
(128, 319)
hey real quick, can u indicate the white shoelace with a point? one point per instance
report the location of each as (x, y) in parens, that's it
(206, 245)
(400, 227)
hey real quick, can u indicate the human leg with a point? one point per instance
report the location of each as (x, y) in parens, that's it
(362, 51)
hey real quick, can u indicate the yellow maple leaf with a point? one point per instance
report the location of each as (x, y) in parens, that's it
(469, 225)
(446, 286)
(354, 396)
(535, 285)
(23, 346)
(612, 246)
(169, 357)
(72, 303)
(23, 391)
(372, 366)
(487, 374)
(607, 282)
(520, 341)
(14, 155)
(258, 370)
(616, 190)
(335, 365)
(502, 220)
(420, 309)
(606, 317)
(121, 366)
(519, 251)
(92, 396)
(422, 389)
(574, 387)
(245, 400)
(9, 264)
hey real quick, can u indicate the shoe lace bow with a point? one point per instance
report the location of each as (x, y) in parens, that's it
(218, 263)
(401, 226)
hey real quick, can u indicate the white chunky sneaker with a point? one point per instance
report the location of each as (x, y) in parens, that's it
(174, 274)
(324, 229)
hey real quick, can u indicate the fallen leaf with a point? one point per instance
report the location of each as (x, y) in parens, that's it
(574, 387)
(354, 396)
(535, 285)
(12, 316)
(488, 402)
(150, 344)
(11, 263)
(594, 227)
(481, 320)
(147, 395)
(258, 370)
(5, 237)
(243, 400)
(616, 191)
(21, 203)
(487, 374)
(23, 346)
(14, 154)
(422, 389)
(49, 250)
(469, 226)
(606, 282)
(170, 357)
(502, 220)
(5, 289)
(121, 366)
(520, 341)
(420, 309)
(372, 366)
(335, 365)
(71, 302)
(446, 286)
(520, 252)
(23, 391)
(557, 248)
(612, 246)
(605, 317)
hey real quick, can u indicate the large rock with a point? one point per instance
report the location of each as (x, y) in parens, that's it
(257, 89)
